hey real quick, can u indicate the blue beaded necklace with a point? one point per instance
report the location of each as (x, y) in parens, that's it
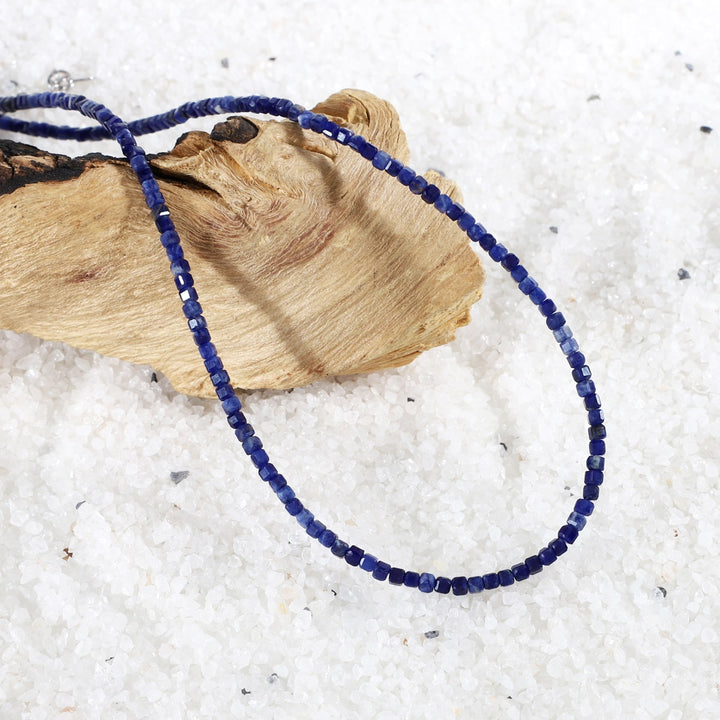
(110, 125)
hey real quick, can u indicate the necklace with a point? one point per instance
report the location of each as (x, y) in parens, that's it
(110, 125)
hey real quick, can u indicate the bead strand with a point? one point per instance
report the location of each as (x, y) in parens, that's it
(112, 126)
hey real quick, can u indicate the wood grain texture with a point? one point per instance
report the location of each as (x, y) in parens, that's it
(308, 261)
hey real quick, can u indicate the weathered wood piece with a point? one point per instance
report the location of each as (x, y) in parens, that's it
(308, 261)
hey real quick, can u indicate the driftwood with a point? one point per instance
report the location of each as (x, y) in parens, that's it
(308, 261)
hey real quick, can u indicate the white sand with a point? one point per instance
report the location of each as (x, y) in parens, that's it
(203, 599)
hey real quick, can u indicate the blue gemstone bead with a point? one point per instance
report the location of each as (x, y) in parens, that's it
(443, 203)
(368, 151)
(518, 273)
(412, 579)
(394, 167)
(381, 571)
(417, 185)
(558, 546)
(368, 563)
(597, 447)
(584, 507)
(547, 556)
(487, 242)
(236, 419)
(596, 417)
(267, 472)
(251, 444)
(476, 231)
(581, 373)
(357, 143)
(207, 351)
(354, 555)
(591, 492)
(506, 578)
(577, 520)
(475, 584)
(585, 387)
(244, 431)
(192, 309)
(555, 321)
(169, 237)
(595, 462)
(537, 296)
(396, 576)
(344, 136)
(183, 280)
(327, 538)
(460, 585)
(318, 123)
(442, 585)
(594, 477)
(277, 483)
(430, 194)
(491, 581)
(568, 534)
(520, 571)
(597, 432)
(562, 333)
(304, 518)
(293, 506)
(426, 583)
(179, 266)
(570, 346)
(315, 529)
(381, 160)
(455, 211)
(219, 378)
(231, 405)
(259, 458)
(405, 176)
(224, 391)
(190, 294)
(339, 548)
(547, 307)
(201, 335)
(534, 565)
(465, 221)
(304, 119)
(510, 261)
(527, 285)
(576, 359)
(497, 252)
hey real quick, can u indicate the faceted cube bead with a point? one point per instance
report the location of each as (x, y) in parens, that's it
(455, 211)
(595, 462)
(443, 203)
(381, 160)
(491, 581)
(585, 387)
(568, 534)
(476, 231)
(592, 402)
(487, 242)
(510, 261)
(533, 564)
(547, 556)
(394, 167)
(506, 578)
(354, 555)
(344, 136)
(396, 576)
(244, 431)
(259, 458)
(207, 351)
(597, 447)
(465, 221)
(527, 285)
(577, 520)
(381, 571)
(251, 444)
(497, 252)
(584, 507)
(597, 432)
(267, 471)
(475, 584)
(537, 296)
(426, 583)
(430, 194)
(562, 333)
(570, 346)
(591, 492)
(558, 546)
(460, 585)
(277, 483)
(224, 391)
(327, 538)
(315, 529)
(442, 585)
(357, 143)
(368, 563)
(236, 419)
(304, 518)
(518, 273)
(594, 477)
(339, 548)
(405, 176)
(231, 405)
(596, 416)
(412, 579)
(581, 373)
(285, 494)
(190, 294)
(520, 571)
(293, 506)
(417, 185)
(575, 359)
(368, 151)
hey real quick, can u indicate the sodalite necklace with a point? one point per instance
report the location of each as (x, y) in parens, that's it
(124, 134)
